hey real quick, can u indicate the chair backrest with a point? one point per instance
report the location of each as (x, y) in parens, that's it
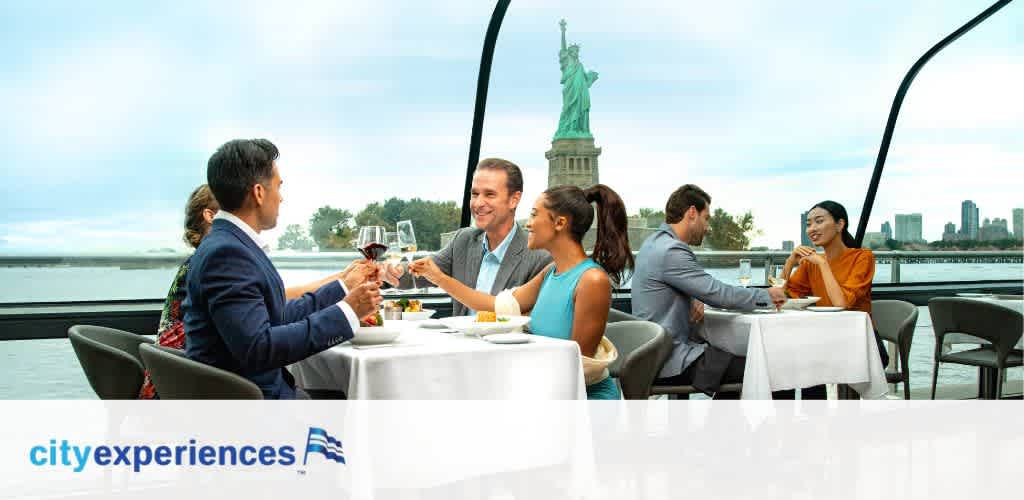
(615, 315)
(997, 324)
(895, 321)
(177, 377)
(110, 359)
(642, 347)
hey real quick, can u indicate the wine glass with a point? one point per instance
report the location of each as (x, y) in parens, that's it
(744, 276)
(407, 242)
(393, 256)
(371, 242)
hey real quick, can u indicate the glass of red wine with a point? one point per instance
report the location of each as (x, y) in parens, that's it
(371, 242)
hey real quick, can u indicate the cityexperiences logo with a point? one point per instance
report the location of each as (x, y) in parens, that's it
(78, 457)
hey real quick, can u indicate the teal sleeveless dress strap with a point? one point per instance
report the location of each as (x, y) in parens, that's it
(552, 316)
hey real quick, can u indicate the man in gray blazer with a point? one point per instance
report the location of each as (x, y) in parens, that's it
(669, 287)
(492, 256)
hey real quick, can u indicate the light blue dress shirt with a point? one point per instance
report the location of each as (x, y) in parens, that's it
(492, 262)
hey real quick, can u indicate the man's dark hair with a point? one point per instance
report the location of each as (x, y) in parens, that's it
(682, 199)
(236, 167)
(512, 172)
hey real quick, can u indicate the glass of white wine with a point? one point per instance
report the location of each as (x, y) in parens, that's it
(393, 255)
(744, 276)
(407, 242)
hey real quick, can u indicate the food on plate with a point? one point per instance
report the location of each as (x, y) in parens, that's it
(374, 319)
(773, 281)
(486, 317)
(407, 305)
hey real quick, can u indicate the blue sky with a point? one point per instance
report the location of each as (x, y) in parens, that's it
(114, 107)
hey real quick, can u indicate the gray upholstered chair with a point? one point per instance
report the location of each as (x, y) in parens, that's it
(997, 324)
(110, 359)
(177, 377)
(642, 347)
(615, 315)
(895, 321)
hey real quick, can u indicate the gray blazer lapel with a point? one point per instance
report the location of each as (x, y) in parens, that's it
(474, 255)
(510, 262)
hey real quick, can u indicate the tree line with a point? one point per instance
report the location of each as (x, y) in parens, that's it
(726, 231)
(335, 229)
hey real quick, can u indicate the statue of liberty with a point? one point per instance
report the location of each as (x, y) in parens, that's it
(574, 122)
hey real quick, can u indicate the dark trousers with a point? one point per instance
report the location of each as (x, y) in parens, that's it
(709, 371)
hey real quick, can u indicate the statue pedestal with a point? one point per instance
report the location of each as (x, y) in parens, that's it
(573, 162)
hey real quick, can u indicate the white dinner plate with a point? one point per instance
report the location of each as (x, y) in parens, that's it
(418, 315)
(803, 303)
(507, 338)
(824, 308)
(470, 326)
(766, 311)
(972, 295)
(370, 335)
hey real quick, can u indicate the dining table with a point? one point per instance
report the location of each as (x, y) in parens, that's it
(431, 364)
(791, 349)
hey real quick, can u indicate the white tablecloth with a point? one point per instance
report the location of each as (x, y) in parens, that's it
(427, 364)
(793, 349)
(963, 338)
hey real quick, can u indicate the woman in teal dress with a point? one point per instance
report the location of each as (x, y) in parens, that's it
(570, 299)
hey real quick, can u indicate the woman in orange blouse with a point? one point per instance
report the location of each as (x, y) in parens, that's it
(842, 277)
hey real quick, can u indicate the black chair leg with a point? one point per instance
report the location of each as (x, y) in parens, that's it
(906, 384)
(935, 377)
(999, 383)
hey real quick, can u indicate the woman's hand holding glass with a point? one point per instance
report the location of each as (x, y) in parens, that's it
(391, 273)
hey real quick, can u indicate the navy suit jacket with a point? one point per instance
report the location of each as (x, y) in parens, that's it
(237, 317)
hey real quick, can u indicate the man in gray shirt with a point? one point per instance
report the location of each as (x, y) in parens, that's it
(492, 256)
(670, 288)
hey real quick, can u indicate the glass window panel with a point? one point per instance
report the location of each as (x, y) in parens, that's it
(113, 110)
(769, 108)
(954, 154)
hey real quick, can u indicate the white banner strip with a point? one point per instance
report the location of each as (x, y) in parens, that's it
(511, 449)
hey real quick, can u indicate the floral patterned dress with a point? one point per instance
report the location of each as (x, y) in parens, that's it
(171, 332)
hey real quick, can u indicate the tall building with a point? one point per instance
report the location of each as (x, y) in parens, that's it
(887, 230)
(908, 228)
(1018, 223)
(995, 230)
(969, 220)
(804, 239)
(949, 232)
(787, 246)
(873, 240)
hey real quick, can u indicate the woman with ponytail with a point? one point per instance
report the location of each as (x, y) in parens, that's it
(841, 277)
(570, 299)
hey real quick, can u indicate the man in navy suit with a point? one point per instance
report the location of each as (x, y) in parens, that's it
(236, 315)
